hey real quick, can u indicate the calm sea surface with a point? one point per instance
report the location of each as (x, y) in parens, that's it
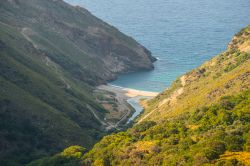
(181, 33)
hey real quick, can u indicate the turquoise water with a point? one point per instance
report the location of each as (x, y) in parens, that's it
(182, 34)
(134, 102)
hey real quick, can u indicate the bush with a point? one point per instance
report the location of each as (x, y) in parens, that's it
(234, 143)
(144, 126)
(74, 152)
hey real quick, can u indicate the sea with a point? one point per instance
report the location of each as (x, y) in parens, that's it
(181, 34)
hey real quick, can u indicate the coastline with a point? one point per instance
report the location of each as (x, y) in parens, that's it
(128, 98)
(128, 92)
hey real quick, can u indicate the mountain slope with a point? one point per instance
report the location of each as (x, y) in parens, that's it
(225, 74)
(72, 34)
(202, 119)
(201, 116)
(51, 56)
(197, 138)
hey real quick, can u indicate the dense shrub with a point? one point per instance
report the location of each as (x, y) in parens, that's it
(194, 139)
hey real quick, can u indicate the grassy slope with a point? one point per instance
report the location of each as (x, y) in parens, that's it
(46, 79)
(225, 74)
(206, 123)
(34, 93)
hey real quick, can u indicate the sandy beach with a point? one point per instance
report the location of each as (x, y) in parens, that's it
(127, 91)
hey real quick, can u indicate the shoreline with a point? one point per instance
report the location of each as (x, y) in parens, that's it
(128, 96)
(129, 92)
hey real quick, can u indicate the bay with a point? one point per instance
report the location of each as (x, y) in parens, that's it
(181, 34)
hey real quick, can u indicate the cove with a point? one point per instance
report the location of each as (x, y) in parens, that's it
(182, 34)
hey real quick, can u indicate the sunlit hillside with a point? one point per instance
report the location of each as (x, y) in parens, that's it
(202, 119)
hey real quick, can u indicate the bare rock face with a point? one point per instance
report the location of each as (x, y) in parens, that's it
(72, 37)
(241, 41)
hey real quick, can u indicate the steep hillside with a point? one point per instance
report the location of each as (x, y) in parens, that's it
(202, 119)
(208, 135)
(75, 39)
(51, 56)
(225, 74)
(201, 116)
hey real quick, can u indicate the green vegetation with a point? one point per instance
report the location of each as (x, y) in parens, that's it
(192, 139)
(70, 156)
(37, 110)
(197, 138)
(225, 74)
(202, 119)
(48, 54)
